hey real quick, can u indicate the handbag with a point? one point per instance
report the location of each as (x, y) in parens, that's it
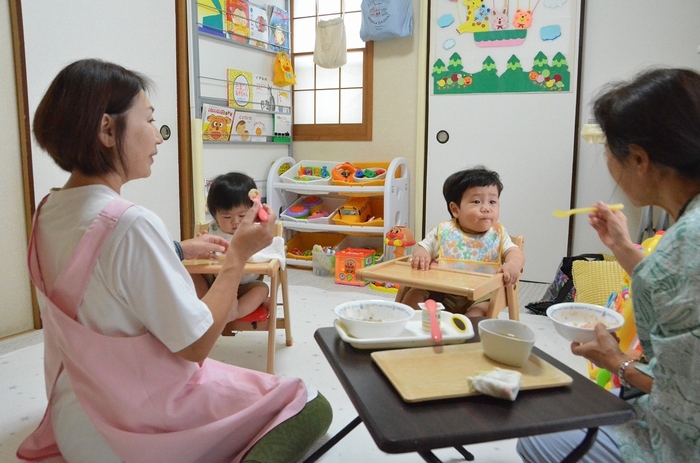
(386, 19)
(330, 50)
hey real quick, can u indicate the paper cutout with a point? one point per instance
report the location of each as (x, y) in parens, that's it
(550, 32)
(543, 77)
(474, 8)
(507, 38)
(499, 19)
(523, 18)
(449, 43)
(553, 3)
(445, 20)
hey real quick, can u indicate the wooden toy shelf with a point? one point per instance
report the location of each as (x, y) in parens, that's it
(394, 192)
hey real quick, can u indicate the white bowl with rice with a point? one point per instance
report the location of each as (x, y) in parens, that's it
(373, 318)
(575, 321)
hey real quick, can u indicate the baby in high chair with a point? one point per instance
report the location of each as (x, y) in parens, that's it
(228, 202)
(472, 240)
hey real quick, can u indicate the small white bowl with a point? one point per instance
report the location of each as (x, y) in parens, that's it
(373, 318)
(575, 320)
(506, 341)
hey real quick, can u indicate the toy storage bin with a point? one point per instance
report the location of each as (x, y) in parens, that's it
(364, 242)
(330, 205)
(365, 208)
(317, 167)
(366, 182)
(305, 243)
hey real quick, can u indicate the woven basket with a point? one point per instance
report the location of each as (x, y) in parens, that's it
(595, 281)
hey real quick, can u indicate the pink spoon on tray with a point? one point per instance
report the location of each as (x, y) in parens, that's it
(435, 332)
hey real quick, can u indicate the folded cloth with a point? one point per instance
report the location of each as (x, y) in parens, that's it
(498, 382)
(273, 251)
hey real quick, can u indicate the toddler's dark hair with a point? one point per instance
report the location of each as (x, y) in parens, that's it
(228, 191)
(456, 184)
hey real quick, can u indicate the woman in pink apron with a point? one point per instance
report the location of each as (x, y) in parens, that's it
(126, 338)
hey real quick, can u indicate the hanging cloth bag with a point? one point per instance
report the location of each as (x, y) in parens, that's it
(331, 50)
(386, 19)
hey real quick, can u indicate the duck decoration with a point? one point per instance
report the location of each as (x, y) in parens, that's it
(400, 237)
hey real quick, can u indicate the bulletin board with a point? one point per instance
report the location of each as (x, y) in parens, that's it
(502, 46)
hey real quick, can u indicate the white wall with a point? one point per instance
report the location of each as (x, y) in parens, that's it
(15, 295)
(621, 38)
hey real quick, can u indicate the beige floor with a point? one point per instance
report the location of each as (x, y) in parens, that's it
(22, 396)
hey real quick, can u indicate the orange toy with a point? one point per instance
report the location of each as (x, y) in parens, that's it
(344, 172)
(400, 237)
(349, 261)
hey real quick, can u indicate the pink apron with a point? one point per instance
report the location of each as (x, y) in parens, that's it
(149, 404)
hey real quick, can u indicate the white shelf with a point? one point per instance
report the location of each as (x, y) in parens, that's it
(394, 192)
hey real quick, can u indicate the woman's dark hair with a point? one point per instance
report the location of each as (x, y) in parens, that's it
(67, 121)
(659, 111)
(456, 184)
(228, 191)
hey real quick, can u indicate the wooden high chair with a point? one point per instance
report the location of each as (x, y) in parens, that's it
(452, 281)
(259, 319)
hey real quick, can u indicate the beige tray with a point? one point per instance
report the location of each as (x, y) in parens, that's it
(430, 373)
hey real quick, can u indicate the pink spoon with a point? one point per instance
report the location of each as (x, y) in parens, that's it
(255, 196)
(435, 332)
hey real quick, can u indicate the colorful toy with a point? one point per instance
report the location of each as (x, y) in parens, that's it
(349, 261)
(384, 287)
(297, 211)
(313, 203)
(344, 172)
(400, 237)
(622, 303)
(355, 210)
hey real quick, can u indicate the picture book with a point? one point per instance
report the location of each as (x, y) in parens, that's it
(217, 122)
(284, 100)
(262, 127)
(278, 24)
(240, 89)
(283, 127)
(237, 20)
(242, 126)
(258, 26)
(210, 17)
(263, 94)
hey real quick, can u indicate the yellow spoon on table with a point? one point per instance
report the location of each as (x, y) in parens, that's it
(585, 210)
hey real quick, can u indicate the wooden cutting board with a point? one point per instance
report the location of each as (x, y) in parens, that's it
(430, 373)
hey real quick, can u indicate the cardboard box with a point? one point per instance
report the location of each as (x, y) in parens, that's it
(348, 262)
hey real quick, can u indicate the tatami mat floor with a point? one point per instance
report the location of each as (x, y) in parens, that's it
(312, 299)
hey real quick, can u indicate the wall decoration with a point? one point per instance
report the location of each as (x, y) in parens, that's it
(453, 79)
(481, 53)
(449, 43)
(550, 32)
(445, 20)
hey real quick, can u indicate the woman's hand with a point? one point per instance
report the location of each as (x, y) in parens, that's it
(420, 259)
(611, 227)
(204, 246)
(603, 351)
(251, 236)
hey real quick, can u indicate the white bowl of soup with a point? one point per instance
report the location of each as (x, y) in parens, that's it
(575, 320)
(373, 318)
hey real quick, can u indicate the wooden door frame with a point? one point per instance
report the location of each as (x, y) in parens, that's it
(183, 120)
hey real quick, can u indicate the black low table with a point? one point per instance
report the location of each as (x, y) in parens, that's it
(399, 427)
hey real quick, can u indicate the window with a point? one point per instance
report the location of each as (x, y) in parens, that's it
(331, 104)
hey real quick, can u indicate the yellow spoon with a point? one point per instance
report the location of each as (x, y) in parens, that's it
(585, 210)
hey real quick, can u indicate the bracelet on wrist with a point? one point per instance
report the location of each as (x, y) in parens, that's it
(178, 250)
(622, 370)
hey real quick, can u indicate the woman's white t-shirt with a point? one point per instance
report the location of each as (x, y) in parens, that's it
(138, 285)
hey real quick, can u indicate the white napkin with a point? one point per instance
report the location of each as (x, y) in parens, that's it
(273, 251)
(498, 382)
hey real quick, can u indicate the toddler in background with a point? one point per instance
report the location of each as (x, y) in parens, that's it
(472, 240)
(228, 202)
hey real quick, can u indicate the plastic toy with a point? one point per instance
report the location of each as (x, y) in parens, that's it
(344, 172)
(313, 203)
(384, 287)
(348, 261)
(622, 303)
(298, 211)
(400, 237)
